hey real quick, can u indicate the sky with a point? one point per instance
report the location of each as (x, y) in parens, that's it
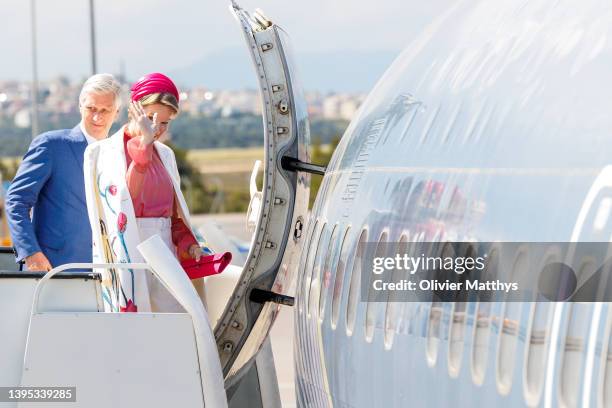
(157, 35)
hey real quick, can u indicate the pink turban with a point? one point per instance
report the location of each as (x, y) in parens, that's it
(153, 83)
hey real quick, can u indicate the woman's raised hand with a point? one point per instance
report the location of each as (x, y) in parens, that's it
(148, 128)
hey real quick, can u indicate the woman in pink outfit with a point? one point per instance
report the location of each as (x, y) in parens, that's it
(133, 200)
(155, 102)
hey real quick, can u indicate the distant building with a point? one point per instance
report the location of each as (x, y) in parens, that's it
(246, 101)
(348, 108)
(60, 97)
(341, 106)
(22, 118)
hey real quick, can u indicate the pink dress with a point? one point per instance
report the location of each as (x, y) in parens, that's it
(152, 191)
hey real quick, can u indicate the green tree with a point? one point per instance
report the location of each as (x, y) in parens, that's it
(8, 169)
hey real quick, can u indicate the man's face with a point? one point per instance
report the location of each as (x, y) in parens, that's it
(98, 112)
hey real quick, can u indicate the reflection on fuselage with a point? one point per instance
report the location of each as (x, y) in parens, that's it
(487, 129)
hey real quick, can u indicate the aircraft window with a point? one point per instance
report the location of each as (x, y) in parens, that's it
(395, 302)
(374, 296)
(354, 289)
(482, 324)
(508, 337)
(606, 381)
(329, 269)
(436, 311)
(456, 336)
(307, 265)
(574, 345)
(339, 283)
(306, 259)
(538, 340)
(321, 268)
(573, 353)
(315, 271)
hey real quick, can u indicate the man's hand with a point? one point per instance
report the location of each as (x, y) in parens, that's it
(38, 262)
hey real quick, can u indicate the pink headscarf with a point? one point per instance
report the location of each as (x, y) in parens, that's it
(153, 83)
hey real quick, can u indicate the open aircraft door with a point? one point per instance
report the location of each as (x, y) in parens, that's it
(269, 273)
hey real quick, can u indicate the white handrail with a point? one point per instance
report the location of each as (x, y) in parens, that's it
(168, 270)
(164, 266)
(61, 268)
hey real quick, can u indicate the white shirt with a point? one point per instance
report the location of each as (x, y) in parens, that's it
(89, 138)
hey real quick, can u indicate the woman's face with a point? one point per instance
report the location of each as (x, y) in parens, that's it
(164, 115)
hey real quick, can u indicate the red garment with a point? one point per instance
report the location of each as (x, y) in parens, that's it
(152, 191)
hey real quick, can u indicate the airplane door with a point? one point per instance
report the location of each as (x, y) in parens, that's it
(269, 273)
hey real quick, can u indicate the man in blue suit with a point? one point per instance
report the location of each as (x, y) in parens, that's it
(49, 183)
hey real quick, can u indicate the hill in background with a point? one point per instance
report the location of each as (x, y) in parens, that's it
(338, 71)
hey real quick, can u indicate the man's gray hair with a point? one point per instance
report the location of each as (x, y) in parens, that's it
(100, 84)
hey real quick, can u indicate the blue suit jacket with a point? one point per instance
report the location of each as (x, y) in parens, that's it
(50, 182)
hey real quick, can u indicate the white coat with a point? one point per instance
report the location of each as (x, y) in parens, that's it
(113, 221)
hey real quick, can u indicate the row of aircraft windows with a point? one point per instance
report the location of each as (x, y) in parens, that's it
(331, 263)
